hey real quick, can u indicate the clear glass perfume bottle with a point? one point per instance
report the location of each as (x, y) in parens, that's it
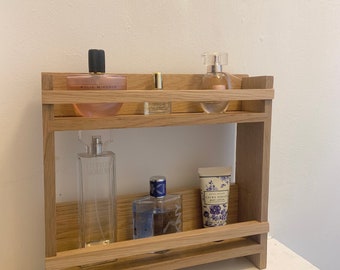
(157, 107)
(215, 79)
(158, 213)
(97, 191)
(97, 80)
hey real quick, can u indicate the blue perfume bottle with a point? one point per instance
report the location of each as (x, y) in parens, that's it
(157, 213)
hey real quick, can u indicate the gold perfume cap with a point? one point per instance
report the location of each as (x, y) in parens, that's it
(158, 81)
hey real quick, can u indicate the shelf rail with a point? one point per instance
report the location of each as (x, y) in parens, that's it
(157, 244)
(107, 96)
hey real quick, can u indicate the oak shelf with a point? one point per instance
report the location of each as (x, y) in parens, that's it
(246, 232)
(159, 245)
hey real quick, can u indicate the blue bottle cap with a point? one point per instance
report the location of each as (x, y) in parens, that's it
(157, 186)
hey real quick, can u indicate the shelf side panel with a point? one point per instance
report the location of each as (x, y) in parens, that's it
(252, 164)
(253, 155)
(49, 173)
(259, 82)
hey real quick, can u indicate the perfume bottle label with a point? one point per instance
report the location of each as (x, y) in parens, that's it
(216, 197)
(96, 82)
(157, 107)
(96, 166)
(98, 87)
(168, 221)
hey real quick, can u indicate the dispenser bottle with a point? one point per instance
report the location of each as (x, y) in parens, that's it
(97, 191)
(216, 79)
(96, 80)
(159, 213)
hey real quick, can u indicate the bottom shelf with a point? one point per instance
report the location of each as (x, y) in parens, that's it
(182, 249)
(183, 257)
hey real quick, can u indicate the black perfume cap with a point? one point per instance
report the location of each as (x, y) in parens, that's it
(96, 61)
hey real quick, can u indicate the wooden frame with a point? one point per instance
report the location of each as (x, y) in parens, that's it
(250, 108)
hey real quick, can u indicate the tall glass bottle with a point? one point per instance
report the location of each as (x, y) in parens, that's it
(96, 80)
(158, 213)
(97, 191)
(157, 107)
(216, 79)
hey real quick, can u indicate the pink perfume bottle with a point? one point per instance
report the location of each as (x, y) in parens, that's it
(96, 80)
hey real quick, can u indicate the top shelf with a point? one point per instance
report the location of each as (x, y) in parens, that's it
(247, 102)
(138, 121)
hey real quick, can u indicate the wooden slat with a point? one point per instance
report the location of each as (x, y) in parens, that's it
(99, 254)
(182, 257)
(49, 173)
(109, 96)
(135, 121)
(67, 216)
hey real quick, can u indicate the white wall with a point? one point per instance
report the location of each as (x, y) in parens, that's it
(296, 41)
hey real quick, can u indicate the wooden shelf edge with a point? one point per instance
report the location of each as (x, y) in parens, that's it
(107, 96)
(183, 257)
(119, 250)
(137, 121)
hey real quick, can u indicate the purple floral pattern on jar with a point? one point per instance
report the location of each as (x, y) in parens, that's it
(215, 196)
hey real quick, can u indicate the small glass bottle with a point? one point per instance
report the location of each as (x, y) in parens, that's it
(97, 80)
(97, 192)
(158, 213)
(215, 79)
(157, 107)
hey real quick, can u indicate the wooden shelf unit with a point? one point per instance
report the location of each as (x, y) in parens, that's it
(245, 235)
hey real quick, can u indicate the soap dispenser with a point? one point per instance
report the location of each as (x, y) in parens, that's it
(215, 79)
(96, 190)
